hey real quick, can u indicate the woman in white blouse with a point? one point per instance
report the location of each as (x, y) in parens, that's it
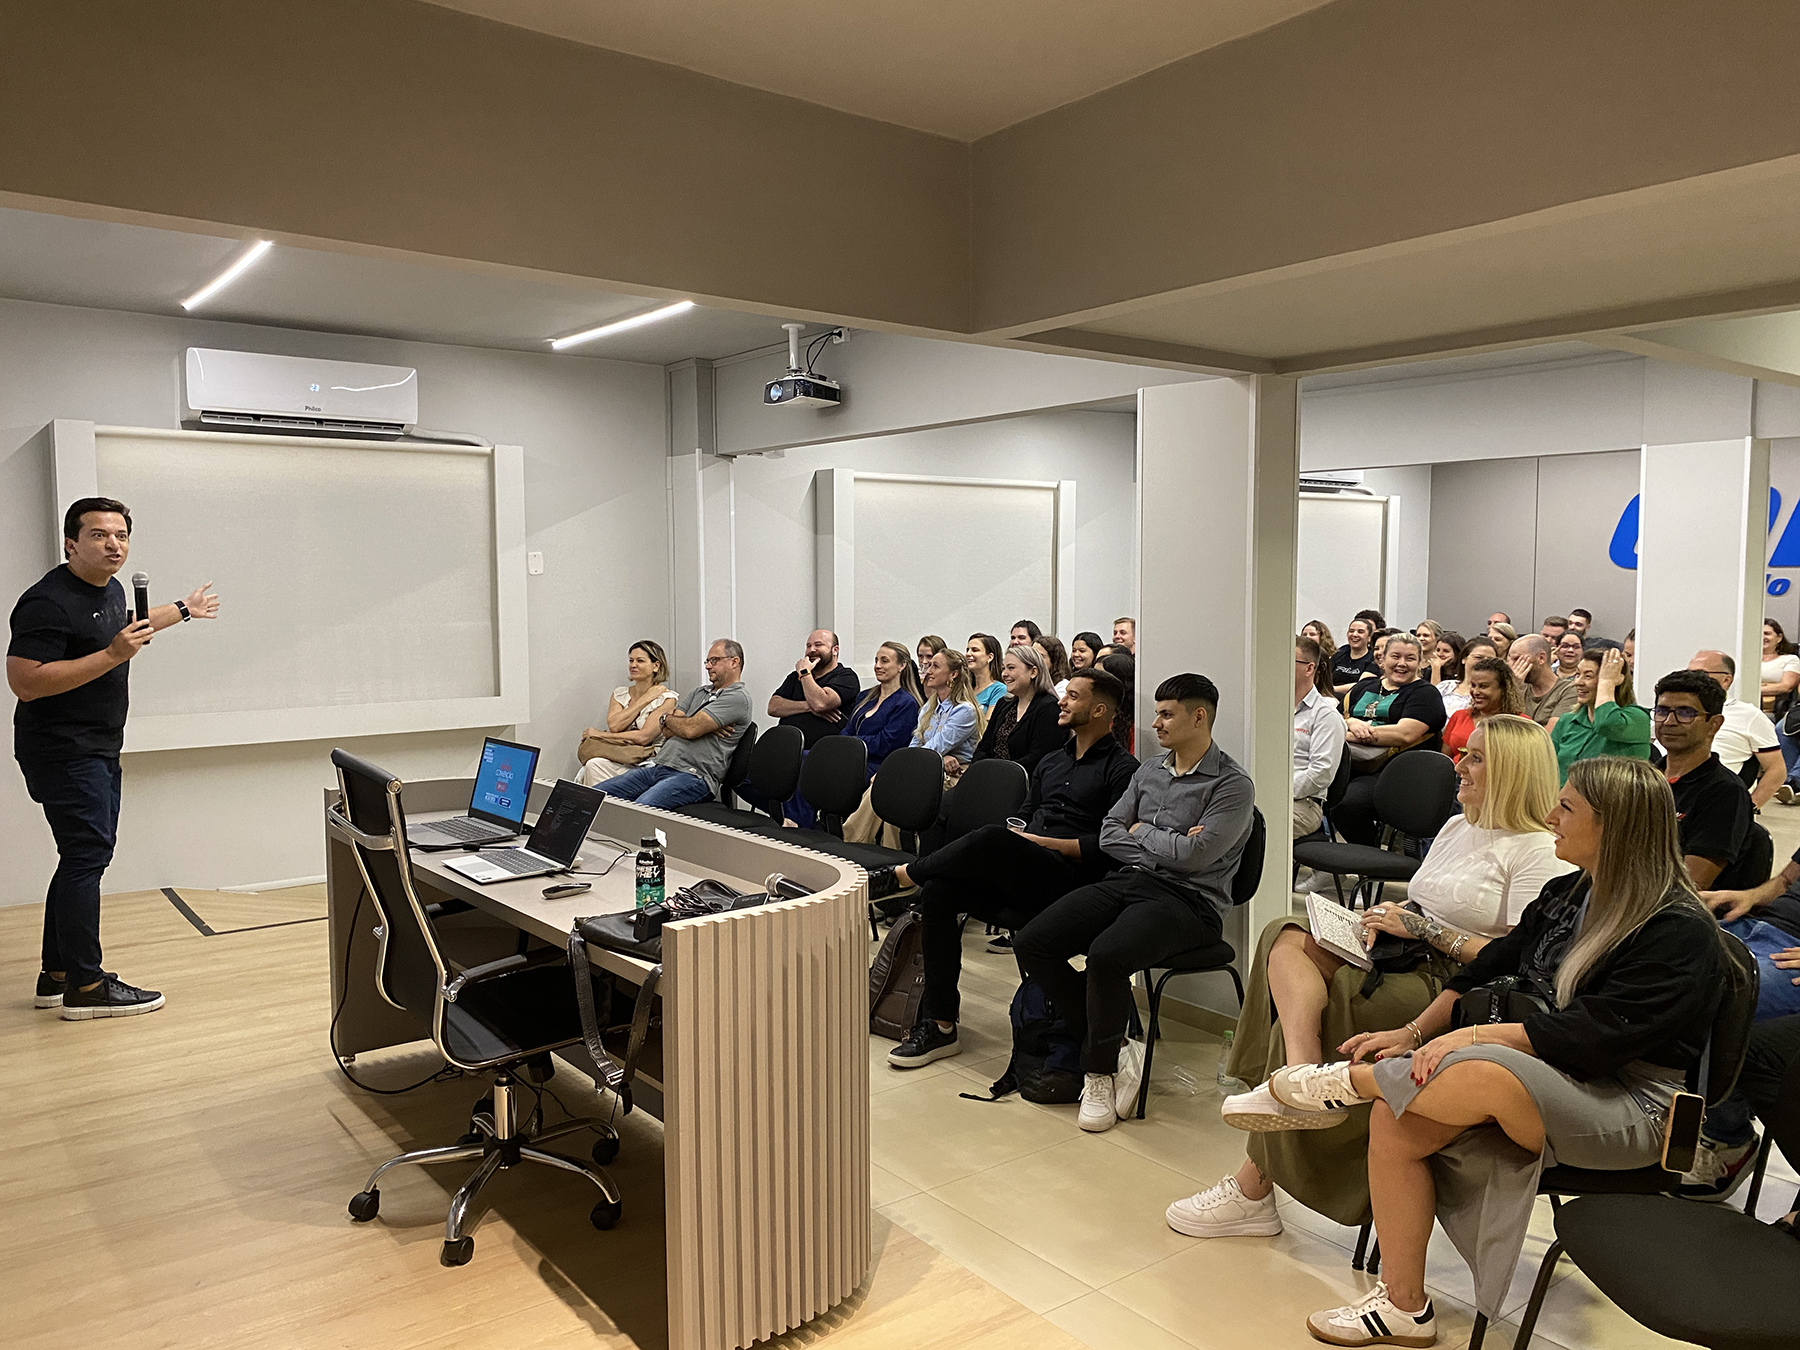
(1482, 870)
(634, 718)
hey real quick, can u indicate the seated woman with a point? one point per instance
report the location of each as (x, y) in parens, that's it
(1444, 662)
(1084, 649)
(1355, 660)
(1493, 688)
(1024, 632)
(1123, 666)
(1486, 866)
(1607, 719)
(929, 646)
(1051, 649)
(1384, 715)
(883, 719)
(1502, 635)
(1630, 968)
(1023, 725)
(946, 724)
(1456, 695)
(634, 718)
(984, 653)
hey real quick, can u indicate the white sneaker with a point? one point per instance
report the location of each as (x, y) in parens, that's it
(1261, 1111)
(1315, 1087)
(1099, 1103)
(1325, 884)
(1129, 1075)
(1374, 1320)
(1225, 1211)
(1785, 794)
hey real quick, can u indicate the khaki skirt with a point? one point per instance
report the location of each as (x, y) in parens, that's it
(1325, 1170)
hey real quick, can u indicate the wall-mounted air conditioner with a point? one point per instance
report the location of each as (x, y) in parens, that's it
(298, 396)
(1330, 480)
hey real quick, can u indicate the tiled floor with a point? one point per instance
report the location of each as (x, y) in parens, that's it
(1071, 1224)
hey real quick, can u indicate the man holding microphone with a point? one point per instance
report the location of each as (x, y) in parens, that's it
(73, 633)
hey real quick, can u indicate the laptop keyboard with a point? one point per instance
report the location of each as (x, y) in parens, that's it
(466, 828)
(515, 860)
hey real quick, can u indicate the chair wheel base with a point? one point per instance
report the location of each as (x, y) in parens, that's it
(606, 1214)
(605, 1150)
(457, 1253)
(365, 1205)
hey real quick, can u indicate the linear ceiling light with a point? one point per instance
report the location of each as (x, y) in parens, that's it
(620, 325)
(229, 275)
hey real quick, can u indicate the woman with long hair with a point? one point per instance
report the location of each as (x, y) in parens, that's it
(1084, 649)
(1023, 727)
(929, 646)
(1444, 658)
(1780, 678)
(984, 653)
(1628, 967)
(1320, 632)
(1494, 688)
(634, 718)
(1606, 719)
(1428, 631)
(1475, 649)
(1051, 649)
(1483, 869)
(884, 720)
(1123, 666)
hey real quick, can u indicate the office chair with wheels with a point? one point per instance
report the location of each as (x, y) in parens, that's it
(1414, 796)
(501, 1018)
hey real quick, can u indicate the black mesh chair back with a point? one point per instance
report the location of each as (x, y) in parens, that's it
(1249, 872)
(833, 778)
(737, 768)
(1416, 793)
(775, 764)
(1758, 862)
(988, 792)
(1340, 783)
(909, 791)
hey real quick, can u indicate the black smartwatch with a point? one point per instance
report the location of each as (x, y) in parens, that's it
(182, 606)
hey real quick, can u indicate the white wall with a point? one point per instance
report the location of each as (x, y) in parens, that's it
(774, 517)
(595, 441)
(1411, 552)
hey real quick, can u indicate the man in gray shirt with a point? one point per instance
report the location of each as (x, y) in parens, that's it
(702, 732)
(1179, 830)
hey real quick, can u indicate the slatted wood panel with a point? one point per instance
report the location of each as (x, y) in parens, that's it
(767, 1068)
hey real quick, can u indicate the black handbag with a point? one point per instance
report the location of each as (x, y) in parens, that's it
(639, 932)
(1510, 998)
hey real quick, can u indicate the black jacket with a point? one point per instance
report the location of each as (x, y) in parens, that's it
(1035, 734)
(1070, 797)
(1653, 998)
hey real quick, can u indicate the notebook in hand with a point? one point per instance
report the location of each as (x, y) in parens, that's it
(1338, 931)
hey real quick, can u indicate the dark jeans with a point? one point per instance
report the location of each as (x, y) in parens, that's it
(988, 872)
(1125, 924)
(1774, 1045)
(80, 798)
(1354, 817)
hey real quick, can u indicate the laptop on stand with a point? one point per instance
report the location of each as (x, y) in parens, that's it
(554, 845)
(496, 804)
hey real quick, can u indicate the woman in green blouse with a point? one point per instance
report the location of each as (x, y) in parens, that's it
(1607, 721)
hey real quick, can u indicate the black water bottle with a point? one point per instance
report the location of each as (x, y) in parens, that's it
(649, 872)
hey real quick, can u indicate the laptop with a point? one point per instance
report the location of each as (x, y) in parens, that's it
(496, 804)
(554, 844)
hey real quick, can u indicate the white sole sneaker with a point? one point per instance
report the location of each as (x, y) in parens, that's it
(1129, 1078)
(1261, 1112)
(1223, 1211)
(110, 1010)
(48, 1001)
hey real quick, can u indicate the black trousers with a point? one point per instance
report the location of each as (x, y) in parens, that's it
(1125, 923)
(80, 798)
(988, 873)
(1354, 817)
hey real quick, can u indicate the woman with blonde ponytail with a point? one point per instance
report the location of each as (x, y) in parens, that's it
(1629, 968)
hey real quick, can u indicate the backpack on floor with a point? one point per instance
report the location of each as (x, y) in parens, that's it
(1046, 1059)
(897, 979)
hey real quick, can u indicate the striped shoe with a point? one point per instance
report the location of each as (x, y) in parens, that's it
(1374, 1320)
(1315, 1087)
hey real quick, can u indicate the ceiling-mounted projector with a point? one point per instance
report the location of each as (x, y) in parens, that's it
(800, 385)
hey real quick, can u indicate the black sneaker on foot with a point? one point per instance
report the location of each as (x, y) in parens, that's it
(1001, 943)
(882, 883)
(923, 1044)
(49, 990)
(112, 997)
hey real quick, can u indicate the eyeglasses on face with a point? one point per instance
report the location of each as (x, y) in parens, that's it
(1662, 713)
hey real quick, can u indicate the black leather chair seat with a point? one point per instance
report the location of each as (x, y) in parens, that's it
(735, 817)
(1363, 860)
(510, 1017)
(1210, 957)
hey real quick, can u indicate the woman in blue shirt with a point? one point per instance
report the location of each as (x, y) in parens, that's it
(984, 655)
(947, 725)
(883, 720)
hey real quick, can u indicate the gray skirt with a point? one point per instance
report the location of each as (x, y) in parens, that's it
(1486, 1184)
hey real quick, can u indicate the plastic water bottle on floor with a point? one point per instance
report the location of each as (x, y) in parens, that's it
(1227, 1084)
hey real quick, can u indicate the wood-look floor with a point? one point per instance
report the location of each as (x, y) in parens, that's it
(179, 1179)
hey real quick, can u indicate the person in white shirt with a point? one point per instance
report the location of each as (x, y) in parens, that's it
(1747, 732)
(634, 718)
(1318, 734)
(1483, 869)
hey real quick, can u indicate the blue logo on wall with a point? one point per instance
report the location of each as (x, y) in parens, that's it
(1623, 548)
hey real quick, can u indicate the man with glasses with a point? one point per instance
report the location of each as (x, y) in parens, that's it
(1747, 735)
(702, 732)
(1710, 800)
(1318, 738)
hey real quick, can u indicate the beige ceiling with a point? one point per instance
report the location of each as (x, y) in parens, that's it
(957, 68)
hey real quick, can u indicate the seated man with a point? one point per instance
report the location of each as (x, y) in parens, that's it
(1388, 713)
(1580, 621)
(1547, 695)
(819, 694)
(1318, 735)
(1180, 830)
(1747, 734)
(1554, 628)
(993, 870)
(702, 732)
(1710, 800)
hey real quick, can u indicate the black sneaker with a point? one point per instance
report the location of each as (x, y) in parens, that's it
(49, 990)
(923, 1044)
(882, 883)
(112, 997)
(1001, 943)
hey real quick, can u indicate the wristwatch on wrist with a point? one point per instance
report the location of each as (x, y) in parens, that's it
(182, 606)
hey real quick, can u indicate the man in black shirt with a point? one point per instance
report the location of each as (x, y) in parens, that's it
(994, 870)
(73, 636)
(820, 693)
(1710, 800)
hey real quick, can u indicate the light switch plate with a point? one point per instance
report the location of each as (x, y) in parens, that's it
(534, 564)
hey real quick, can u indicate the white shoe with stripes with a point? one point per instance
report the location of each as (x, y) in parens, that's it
(1374, 1320)
(1315, 1087)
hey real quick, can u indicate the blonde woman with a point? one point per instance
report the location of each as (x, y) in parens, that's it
(634, 718)
(1631, 967)
(1485, 867)
(947, 724)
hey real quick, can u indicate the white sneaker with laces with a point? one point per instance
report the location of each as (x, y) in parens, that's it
(1099, 1103)
(1129, 1075)
(1374, 1320)
(1261, 1111)
(1315, 1087)
(1225, 1211)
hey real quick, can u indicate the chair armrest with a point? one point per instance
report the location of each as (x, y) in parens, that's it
(506, 965)
(438, 908)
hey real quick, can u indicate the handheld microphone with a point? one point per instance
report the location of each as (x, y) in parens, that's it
(140, 583)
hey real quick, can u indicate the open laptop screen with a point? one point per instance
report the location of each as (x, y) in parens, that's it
(565, 821)
(503, 782)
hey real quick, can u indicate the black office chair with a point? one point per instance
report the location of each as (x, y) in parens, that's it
(500, 1018)
(1414, 796)
(737, 768)
(773, 770)
(833, 779)
(1700, 1273)
(988, 792)
(1340, 783)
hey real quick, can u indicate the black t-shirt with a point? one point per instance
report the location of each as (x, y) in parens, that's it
(1070, 797)
(62, 618)
(1714, 809)
(840, 678)
(1348, 669)
(1381, 707)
